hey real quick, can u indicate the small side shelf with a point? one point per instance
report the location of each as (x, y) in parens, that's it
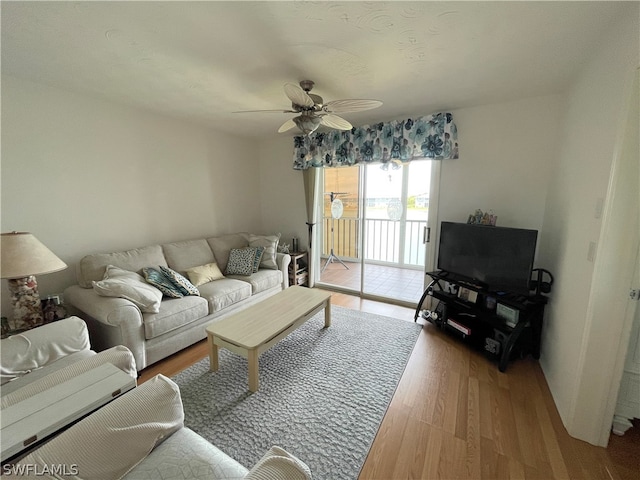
(298, 269)
(502, 325)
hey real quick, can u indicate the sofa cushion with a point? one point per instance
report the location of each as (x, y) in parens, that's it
(161, 282)
(183, 255)
(204, 274)
(223, 244)
(119, 356)
(241, 261)
(225, 292)
(114, 439)
(131, 286)
(92, 267)
(38, 373)
(261, 280)
(31, 350)
(184, 285)
(186, 455)
(270, 244)
(174, 313)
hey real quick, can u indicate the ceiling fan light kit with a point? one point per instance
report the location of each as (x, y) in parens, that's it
(314, 112)
(307, 123)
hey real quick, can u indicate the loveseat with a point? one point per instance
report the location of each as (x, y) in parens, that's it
(174, 323)
(141, 435)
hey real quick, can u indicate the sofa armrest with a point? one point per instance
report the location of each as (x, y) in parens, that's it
(36, 348)
(119, 356)
(111, 321)
(283, 260)
(114, 439)
(278, 464)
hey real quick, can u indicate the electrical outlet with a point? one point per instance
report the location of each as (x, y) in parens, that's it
(591, 253)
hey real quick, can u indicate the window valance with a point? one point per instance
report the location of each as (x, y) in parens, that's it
(432, 137)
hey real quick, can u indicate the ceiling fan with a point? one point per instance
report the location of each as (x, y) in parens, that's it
(314, 112)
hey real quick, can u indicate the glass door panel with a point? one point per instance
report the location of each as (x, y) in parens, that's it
(396, 206)
(340, 257)
(375, 246)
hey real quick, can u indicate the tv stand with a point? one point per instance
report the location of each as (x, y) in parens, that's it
(501, 324)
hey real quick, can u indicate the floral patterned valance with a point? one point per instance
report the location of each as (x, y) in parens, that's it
(432, 137)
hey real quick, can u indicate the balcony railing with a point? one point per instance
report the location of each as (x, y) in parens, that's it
(386, 241)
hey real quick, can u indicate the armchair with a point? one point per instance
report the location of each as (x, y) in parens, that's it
(35, 360)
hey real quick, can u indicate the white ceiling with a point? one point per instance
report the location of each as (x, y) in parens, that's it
(204, 60)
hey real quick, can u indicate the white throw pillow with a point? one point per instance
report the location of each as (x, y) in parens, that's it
(270, 245)
(131, 286)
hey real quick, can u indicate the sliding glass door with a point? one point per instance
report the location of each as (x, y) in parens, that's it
(373, 230)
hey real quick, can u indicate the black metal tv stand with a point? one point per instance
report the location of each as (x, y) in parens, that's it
(477, 316)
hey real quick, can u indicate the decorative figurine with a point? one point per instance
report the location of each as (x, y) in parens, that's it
(479, 218)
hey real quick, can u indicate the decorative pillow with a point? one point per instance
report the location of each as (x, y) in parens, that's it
(161, 282)
(270, 244)
(222, 245)
(184, 285)
(131, 286)
(256, 261)
(204, 274)
(241, 261)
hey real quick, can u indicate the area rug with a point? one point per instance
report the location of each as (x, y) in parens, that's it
(323, 393)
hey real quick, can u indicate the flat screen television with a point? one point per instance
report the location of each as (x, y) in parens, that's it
(497, 258)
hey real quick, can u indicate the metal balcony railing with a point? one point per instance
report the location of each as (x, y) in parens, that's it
(387, 242)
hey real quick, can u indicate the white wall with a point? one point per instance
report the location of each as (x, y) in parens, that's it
(86, 176)
(283, 207)
(507, 154)
(573, 338)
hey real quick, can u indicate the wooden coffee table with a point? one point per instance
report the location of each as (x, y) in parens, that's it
(257, 328)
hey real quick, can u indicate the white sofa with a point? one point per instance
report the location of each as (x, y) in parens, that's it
(180, 322)
(141, 435)
(35, 360)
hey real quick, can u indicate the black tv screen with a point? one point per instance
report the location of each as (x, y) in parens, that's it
(497, 258)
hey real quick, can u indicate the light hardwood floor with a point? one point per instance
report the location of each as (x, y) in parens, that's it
(454, 415)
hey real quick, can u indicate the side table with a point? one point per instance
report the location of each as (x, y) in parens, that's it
(298, 269)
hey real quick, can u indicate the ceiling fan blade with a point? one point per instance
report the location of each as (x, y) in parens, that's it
(265, 111)
(288, 125)
(297, 95)
(350, 105)
(334, 121)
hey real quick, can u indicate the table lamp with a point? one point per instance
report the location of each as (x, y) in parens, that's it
(23, 257)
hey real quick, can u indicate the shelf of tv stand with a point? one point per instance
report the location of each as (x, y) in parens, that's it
(483, 323)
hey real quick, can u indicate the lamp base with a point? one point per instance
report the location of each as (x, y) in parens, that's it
(27, 310)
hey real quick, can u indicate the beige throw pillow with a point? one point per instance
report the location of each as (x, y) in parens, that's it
(204, 274)
(270, 244)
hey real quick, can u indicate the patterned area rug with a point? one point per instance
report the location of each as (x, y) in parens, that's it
(323, 393)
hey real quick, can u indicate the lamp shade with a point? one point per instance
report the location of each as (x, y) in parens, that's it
(24, 255)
